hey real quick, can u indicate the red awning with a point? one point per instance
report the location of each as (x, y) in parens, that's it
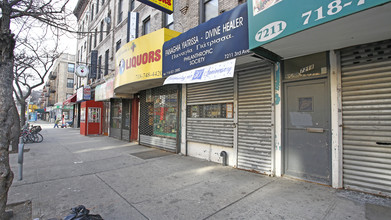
(70, 100)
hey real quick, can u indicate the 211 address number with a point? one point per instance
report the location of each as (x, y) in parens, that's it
(333, 8)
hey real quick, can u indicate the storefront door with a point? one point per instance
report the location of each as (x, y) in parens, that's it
(307, 130)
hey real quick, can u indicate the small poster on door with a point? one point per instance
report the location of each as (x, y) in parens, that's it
(230, 110)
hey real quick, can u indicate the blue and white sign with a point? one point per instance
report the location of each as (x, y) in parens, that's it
(208, 73)
(221, 38)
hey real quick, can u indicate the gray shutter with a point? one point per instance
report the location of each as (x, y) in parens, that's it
(255, 118)
(217, 131)
(366, 112)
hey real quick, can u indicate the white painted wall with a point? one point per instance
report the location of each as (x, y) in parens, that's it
(210, 152)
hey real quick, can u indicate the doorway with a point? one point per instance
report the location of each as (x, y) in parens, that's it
(307, 130)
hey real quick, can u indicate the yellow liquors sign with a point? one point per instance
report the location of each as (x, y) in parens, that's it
(141, 59)
(166, 6)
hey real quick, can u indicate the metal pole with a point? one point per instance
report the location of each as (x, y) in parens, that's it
(20, 158)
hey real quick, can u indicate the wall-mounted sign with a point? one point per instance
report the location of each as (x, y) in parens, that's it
(211, 72)
(105, 91)
(166, 6)
(221, 38)
(79, 92)
(141, 59)
(275, 19)
(82, 70)
(94, 63)
(132, 26)
(87, 93)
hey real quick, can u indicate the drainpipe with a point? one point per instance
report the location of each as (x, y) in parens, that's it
(224, 155)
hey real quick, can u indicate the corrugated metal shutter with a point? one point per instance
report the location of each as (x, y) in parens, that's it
(255, 118)
(366, 112)
(148, 106)
(217, 131)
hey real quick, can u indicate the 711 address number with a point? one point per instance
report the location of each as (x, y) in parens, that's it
(333, 8)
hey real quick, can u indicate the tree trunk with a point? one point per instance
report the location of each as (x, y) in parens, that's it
(15, 130)
(7, 44)
(22, 113)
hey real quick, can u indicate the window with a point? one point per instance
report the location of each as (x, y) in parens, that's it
(221, 110)
(99, 66)
(118, 45)
(147, 26)
(120, 11)
(96, 35)
(101, 31)
(71, 67)
(106, 62)
(85, 45)
(132, 5)
(108, 27)
(97, 6)
(69, 83)
(168, 21)
(210, 9)
(89, 49)
(92, 12)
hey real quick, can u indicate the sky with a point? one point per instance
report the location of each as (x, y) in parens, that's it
(68, 41)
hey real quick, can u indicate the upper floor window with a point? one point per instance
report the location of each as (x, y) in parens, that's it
(96, 36)
(99, 66)
(132, 5)
(92, 12)
(103, 2)
(106, 62)
(210, 9)
(101, 31)
(71, 67)
(147, 26)
(118, 45)
(97, 6)
(120, 11)
(89, 49)
(169, 21)
(69, 83)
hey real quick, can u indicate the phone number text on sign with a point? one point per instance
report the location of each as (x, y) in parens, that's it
(333, 8)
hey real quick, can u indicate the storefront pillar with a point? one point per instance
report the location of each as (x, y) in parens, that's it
(336, 119)
(278, 161)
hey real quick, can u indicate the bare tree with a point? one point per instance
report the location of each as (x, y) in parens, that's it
(50, 15)
(32, 65)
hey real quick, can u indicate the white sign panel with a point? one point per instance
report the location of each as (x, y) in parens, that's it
(133, 25)
(211, 72)
(82, 70)
(80, 93)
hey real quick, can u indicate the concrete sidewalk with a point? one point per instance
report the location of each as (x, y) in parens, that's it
(121, 180)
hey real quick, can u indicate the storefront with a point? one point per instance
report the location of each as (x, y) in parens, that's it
(139, 73)
(332, 62)
(82, 94)
(69, 105)
(159, 109)
(123, 114)
(91, 117)
(104, 92)
(227, 93)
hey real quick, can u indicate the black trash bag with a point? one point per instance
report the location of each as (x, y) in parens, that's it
(81, 213)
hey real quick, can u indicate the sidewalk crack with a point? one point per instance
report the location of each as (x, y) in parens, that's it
(121, 196)
(238, 200)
